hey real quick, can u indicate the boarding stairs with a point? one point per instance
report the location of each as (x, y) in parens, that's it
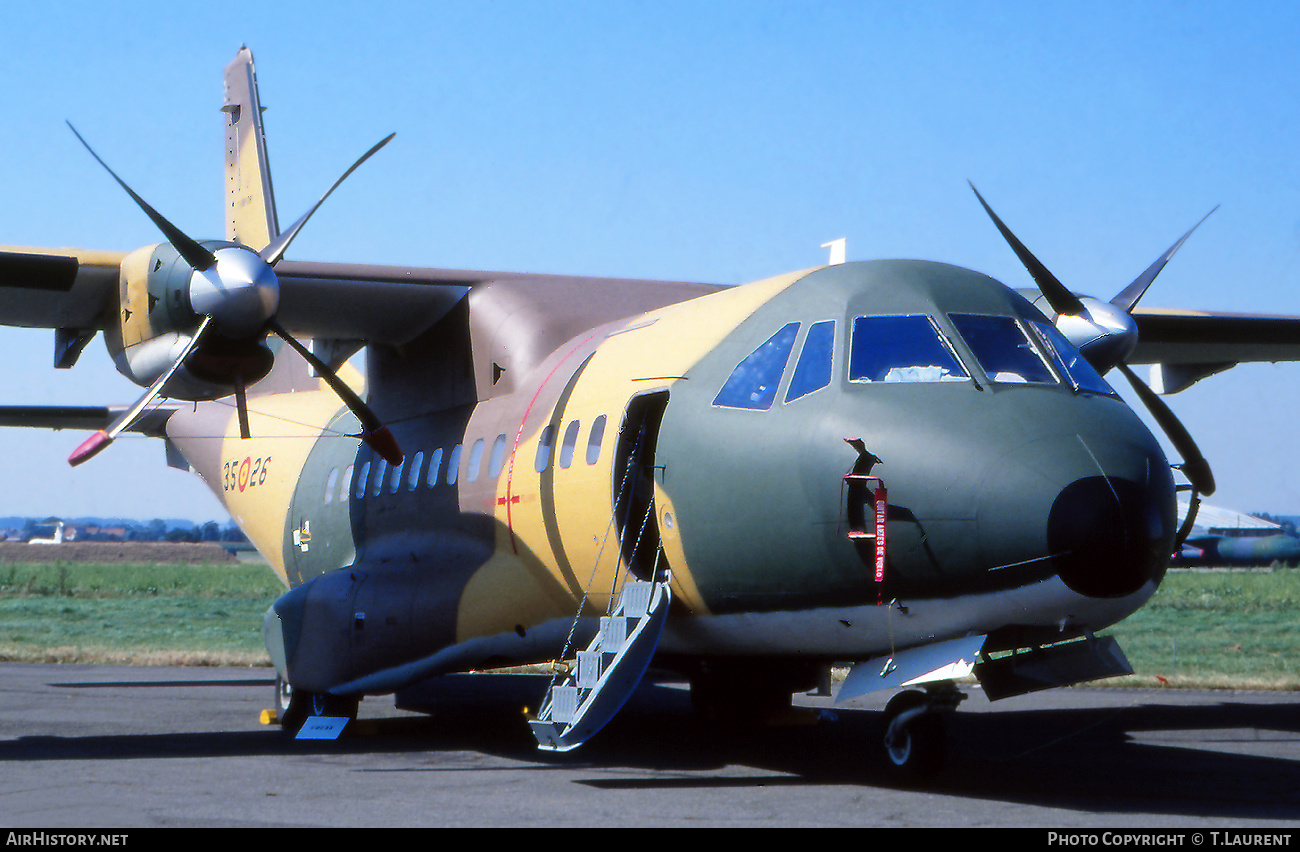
(608, 670)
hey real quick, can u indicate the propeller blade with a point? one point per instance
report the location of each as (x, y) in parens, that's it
(195, 255)
(99, 441)
(1061, 299)
(275, 250)
(1194, 465)
(373, 431)
(1127, 298)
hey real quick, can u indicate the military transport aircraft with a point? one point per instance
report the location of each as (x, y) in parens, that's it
(901, 465)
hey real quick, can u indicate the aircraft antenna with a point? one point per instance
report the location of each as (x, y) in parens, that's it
(837, 251)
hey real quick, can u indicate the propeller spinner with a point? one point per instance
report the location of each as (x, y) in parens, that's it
(1106, 335)
(235, 294)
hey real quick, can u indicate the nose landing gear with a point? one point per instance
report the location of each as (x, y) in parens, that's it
(914, 740)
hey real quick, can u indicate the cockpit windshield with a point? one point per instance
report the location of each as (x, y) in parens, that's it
(901, 349)
(1068, 360)
(1003, 349)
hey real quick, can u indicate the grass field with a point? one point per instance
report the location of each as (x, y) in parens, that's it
(1238, 629)
(1230, 629)
(145, 614)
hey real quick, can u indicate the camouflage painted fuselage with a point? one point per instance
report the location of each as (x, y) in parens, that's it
(558, 439)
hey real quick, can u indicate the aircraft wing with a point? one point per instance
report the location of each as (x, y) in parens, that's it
(393, 304)
(1198, 337)
(1184, 347)
(86, 418)
(77, 290)
(57, 288)
(384, 304)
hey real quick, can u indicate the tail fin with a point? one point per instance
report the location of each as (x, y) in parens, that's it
(250, 211)
(250, 202)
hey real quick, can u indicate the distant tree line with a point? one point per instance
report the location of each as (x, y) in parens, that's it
(154, 530)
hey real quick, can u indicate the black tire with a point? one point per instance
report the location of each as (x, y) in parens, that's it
(915, 752)
(290, 708)
(293, 707)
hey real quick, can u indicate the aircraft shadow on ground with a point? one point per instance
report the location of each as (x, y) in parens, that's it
(1084, 759)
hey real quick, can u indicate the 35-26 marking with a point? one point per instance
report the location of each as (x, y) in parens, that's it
(239, 475)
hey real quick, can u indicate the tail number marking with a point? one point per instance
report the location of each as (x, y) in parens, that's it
(238, 475)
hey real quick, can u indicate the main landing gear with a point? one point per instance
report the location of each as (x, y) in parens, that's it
(293, 708)
(913, 738)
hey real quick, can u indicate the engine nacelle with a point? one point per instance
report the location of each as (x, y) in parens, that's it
(1104, 334)
(157, 318)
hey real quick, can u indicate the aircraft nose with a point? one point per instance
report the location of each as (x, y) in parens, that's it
(1106, 536)
(1096, 509)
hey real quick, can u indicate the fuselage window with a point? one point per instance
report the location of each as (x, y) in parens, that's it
(377, 481)
(1002, 349)
(413, 479)
(475, 456)
(1070, 362)
(345, 485)
(330, 483)
(435, 466)
(453, 465)
(753, 383)
(544, 449)
(813, 370)
(570, 441)
(362, 479)
(901, 349)
(498, 456)
(594, 441)
(395, 481)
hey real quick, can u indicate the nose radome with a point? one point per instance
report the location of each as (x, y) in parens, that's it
(1107, 536)
(1095, 509)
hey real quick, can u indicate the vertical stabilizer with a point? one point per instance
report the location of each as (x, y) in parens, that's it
(250, 203)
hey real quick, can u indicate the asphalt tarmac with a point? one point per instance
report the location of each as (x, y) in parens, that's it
(102, 747)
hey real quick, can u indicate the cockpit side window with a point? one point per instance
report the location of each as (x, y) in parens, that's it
(1070, 362)
(1002, 349)
(813, 370)
(753, 383)
(901, 349)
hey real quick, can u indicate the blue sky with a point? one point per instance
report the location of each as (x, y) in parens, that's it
(714, 141)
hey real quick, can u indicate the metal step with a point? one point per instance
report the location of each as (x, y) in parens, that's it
(607, 671)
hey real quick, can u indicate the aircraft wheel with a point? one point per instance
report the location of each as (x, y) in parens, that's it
(290, 708)
(914, 739)
(293, 708)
